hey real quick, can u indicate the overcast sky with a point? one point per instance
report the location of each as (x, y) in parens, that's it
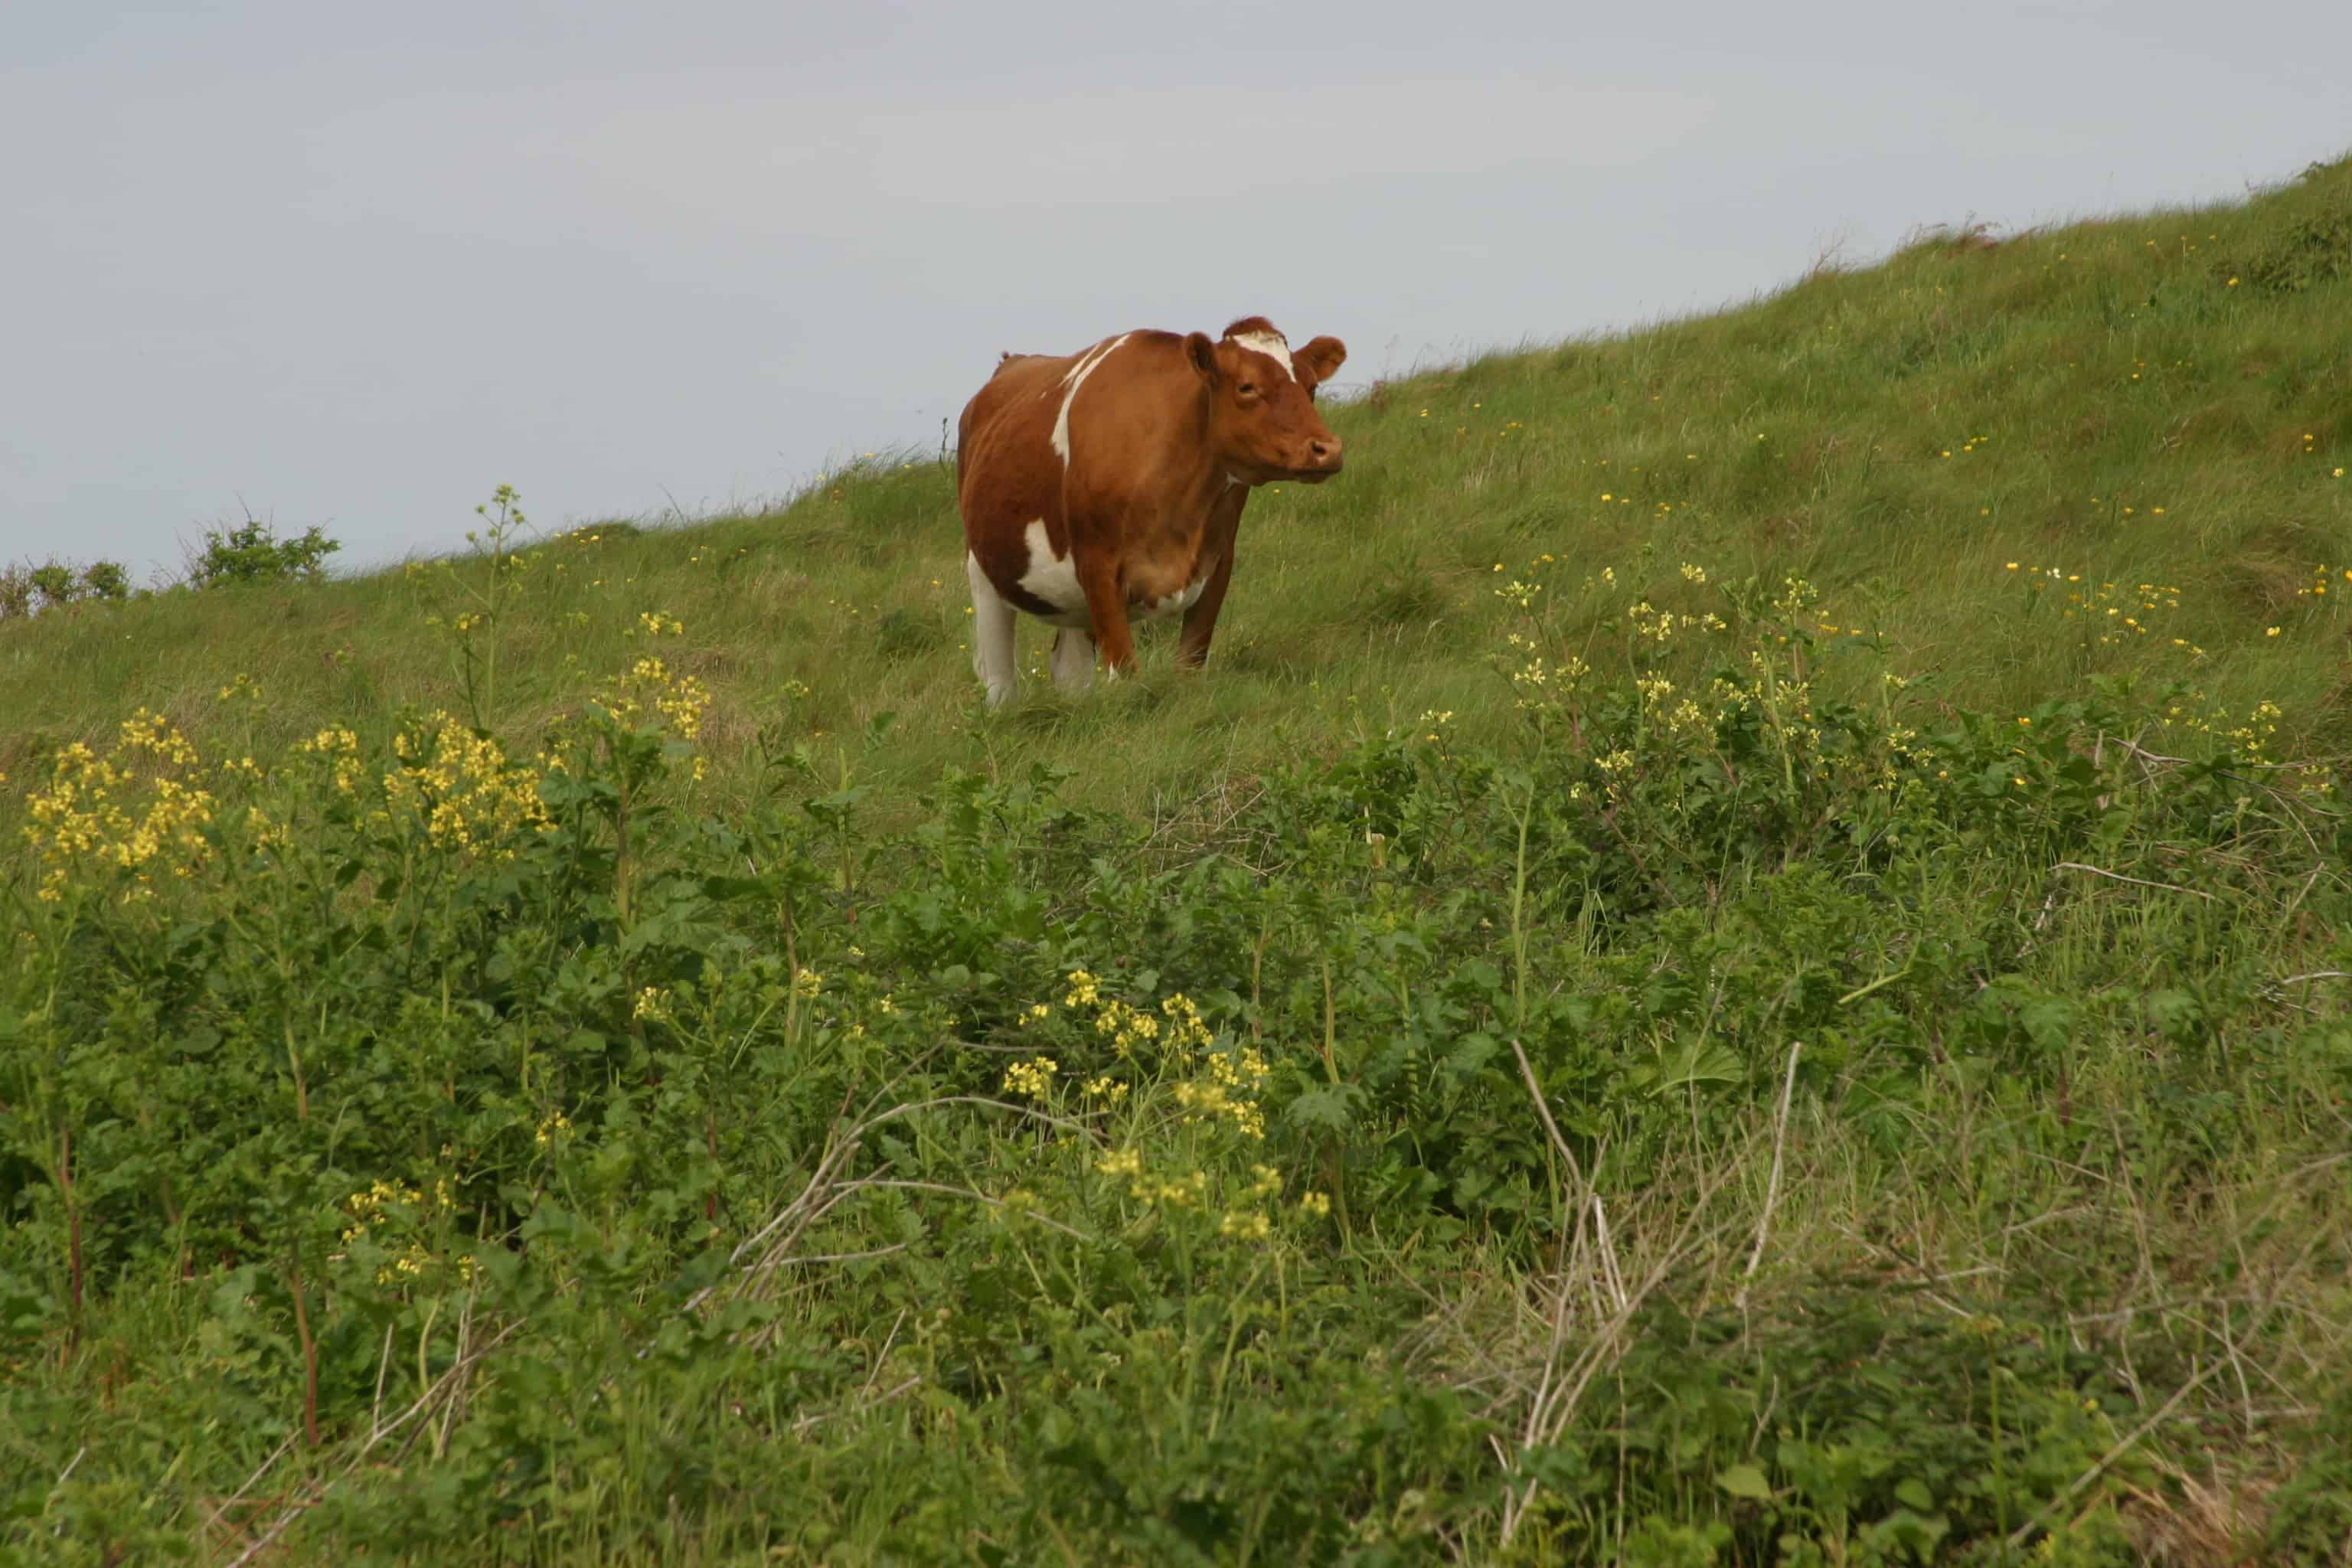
(353, 266)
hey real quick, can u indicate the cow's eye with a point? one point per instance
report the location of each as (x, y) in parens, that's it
(1249, 389)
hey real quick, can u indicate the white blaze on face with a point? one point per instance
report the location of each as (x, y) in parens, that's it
(1271, 346)
(1070, 384)
(1053, 578)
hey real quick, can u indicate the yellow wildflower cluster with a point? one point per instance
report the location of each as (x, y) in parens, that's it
(554, 1126)
(1181, 1038)
(2113, 612)
(1539, 683)
(2252, 738)
(806, 983)
(2320, 578)
(1654, 624)
(656, 624)
(1191, 1191)
(94, 812)
(1518, 593)
(653, 1001)
(464, 789)
(680, 700)
(341, 751)
(1215, 1099)
(1683, 716)
(1796, 597)
(151, 733)
(1127, 1026)
(373, 1206)
(1180, 1192)
(1034, 1078)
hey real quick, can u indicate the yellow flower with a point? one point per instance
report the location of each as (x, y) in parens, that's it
(2272, 633)
(1034, 1078)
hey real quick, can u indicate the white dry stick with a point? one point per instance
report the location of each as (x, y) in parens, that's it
(1535, 1092)
(1772, 1187)
(2134, 882)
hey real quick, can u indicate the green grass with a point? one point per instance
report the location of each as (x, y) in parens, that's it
(1854, 1071)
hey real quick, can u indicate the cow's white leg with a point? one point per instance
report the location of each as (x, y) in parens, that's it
(1073, 659)
(991, 633)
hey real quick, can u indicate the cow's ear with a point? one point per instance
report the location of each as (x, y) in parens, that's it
(1319, 362)
(1204, 355)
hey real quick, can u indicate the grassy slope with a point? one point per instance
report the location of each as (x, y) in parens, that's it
(2058, 1163)
(2109, 404)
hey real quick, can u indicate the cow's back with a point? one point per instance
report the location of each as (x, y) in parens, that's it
(1020, 380)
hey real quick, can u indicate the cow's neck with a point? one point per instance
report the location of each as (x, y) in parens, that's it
(1198, 507)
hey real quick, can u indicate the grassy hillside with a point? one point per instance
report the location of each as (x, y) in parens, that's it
(1736, 960)
(2103, 401)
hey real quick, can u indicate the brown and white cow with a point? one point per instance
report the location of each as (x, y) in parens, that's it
(1106, 486)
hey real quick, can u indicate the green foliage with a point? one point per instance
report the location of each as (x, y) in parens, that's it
(1640, 1034)
(2316, 249)
(251, 552)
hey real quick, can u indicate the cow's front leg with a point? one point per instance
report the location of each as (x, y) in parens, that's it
(1201, 620)
(1107, 612)
(1217, 544)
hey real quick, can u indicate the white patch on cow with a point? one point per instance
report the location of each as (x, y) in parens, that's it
(1053, 578)
(1177, 603)
(991, 633)
(1070, 384)
(1271, 347)
(1073, 659)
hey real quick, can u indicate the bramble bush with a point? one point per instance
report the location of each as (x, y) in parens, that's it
(251, 552)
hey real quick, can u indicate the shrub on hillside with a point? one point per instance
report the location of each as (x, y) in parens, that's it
(26, 588)
(2316, 248)
(252, 552)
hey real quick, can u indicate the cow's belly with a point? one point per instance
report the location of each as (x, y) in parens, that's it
(1053, 579)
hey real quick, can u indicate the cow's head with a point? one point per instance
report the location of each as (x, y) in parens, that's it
(1262, 419)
